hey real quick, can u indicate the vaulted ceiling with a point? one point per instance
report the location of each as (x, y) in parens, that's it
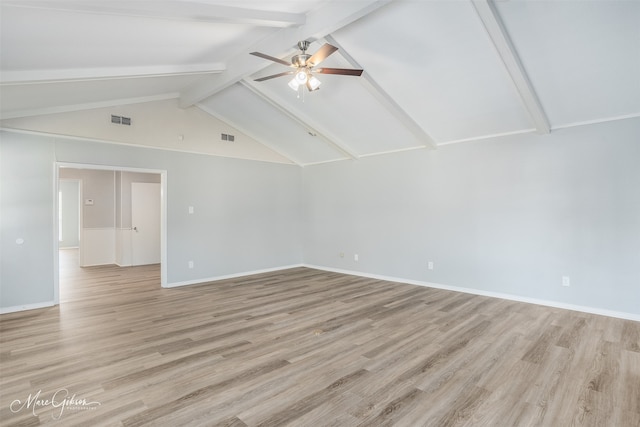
(436, 72)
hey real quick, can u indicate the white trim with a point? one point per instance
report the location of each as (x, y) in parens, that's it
(56, 239)
(301, 119)
(126, 144)
(230, 276)
(362, 156)
(163, 227)
(189, 11)
(596, 121)
(483, 137)
(9, 78)
(247, 132)
(163, 211)
(385, 99)
(325, 19)
(87, 106)
(399, 150)
(510, 297)
(16, 308)
(107, 168)
(497, 33)
(322, 162)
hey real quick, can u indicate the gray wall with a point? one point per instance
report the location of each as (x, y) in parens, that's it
(247, 214)
(98, 185)
(26, 212)
(509, 215)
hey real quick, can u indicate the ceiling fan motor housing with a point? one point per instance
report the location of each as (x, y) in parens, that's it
(300, 60)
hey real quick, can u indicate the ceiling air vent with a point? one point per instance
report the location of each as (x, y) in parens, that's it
(120, 120)
(227, 137)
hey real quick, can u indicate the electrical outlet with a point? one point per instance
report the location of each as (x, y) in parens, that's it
(341, 254)
(355, 257)
(190, 209)
(566, 281)
(190, 264)
(430, 265)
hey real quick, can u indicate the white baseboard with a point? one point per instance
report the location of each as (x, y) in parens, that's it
(15, 308)
(510, 297)
(230, 276)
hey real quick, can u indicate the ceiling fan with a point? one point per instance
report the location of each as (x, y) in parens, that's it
(304, 64)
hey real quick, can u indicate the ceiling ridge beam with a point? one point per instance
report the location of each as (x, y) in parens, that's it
(181, 10)
(106, 73)
(385, 99)
(497, 32)
(303, 121)
(249, 134)
(330, 17)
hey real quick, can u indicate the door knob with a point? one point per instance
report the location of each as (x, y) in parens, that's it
(135, 229)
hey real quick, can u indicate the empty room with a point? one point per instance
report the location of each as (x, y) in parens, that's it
(320, 213)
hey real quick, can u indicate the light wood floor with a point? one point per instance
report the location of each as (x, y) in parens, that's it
(309, 348)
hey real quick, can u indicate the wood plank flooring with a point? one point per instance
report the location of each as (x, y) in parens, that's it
(309, 348)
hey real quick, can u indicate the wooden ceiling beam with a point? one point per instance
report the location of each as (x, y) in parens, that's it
(303, 120)
(384, 98)
(182, 10)
(106, 73)
(497, 32)
(330, 17)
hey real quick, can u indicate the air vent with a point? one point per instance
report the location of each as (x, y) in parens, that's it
(227, 137)
(120, 120)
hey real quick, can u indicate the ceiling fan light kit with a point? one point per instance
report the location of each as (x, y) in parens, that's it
(304, 63)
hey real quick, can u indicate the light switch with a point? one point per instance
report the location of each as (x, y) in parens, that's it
(190, 209)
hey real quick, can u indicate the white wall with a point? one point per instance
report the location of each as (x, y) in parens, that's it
(246, 218)
(508, 216)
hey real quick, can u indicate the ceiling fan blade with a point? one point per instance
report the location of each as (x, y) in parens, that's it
(341, 71)
(271, 58)
(273, 76)
(321, 54)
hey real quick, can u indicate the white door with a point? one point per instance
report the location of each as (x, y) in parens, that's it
(145, 223)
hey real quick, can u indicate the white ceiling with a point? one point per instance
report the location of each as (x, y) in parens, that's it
(436, 72)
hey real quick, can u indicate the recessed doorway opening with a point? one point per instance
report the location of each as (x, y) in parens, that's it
(121, 219)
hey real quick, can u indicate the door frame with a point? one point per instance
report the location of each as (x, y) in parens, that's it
(114, 168)
(80, 210)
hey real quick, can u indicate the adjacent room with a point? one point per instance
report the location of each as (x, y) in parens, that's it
(320, 213)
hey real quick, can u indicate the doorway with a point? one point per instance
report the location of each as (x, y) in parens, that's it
(104, 239)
